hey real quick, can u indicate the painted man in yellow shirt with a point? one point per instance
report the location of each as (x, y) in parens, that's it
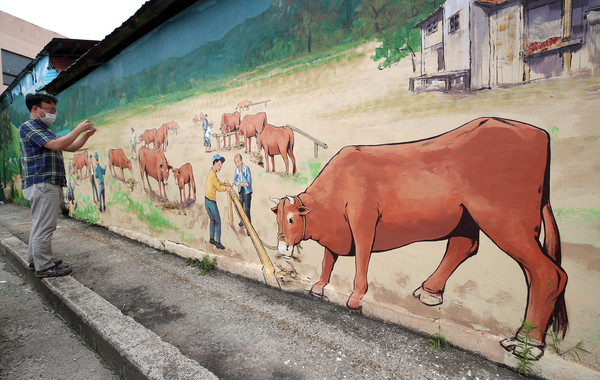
(213, 184)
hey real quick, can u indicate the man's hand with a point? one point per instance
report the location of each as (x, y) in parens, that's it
(89, 133)
(85, 126)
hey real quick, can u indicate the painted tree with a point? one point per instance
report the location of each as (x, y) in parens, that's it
(311, 18)
(5, 139)
(392, 22)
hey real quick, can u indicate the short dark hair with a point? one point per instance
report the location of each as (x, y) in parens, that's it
(39, 98)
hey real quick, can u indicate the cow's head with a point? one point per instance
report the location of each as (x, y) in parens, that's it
(259, 140)
(176, 173)
(291, 223)
(128, 165)
(165, 167)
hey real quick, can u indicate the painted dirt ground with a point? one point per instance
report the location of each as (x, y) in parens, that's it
(351, 102)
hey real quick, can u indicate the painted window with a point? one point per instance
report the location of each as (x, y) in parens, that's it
(454, 22)
(12, 65)
(432, 27)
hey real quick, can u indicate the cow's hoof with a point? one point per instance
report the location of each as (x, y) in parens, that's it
(517, 347)
(316, 291)
(429, 299)
(354, 305)
(355, 310)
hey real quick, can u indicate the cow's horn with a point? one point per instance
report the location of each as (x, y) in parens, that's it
(275, 200)
(291, 199)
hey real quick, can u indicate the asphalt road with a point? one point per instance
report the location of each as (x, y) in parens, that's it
(241, 329)
(35, 343)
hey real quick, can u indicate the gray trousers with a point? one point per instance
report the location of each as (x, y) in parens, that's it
(45, 201)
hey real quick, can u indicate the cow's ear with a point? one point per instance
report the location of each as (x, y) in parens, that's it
(274, 209)
(303, 210)
(170, 167)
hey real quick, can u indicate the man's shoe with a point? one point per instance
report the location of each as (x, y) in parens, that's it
(241, 224)
(53, 272)
(56, 263)
(213, 241)
(219, 245)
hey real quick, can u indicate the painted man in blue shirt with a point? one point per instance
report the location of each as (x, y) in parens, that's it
(99, 172)
(243, 180)
(44, 177)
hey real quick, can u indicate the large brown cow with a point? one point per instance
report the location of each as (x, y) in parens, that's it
(117, 158)
(489, 175)
(230, 122)
(148, 136)
(161, 139)
(250, 125)
(80, 161)
(277, 140)
(153, 163)
(185, 175)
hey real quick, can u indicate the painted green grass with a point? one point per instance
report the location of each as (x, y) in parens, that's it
(16, 196)
(150, 215)
(86, 209)
(587, 214)
(312, 168)
(186, 238)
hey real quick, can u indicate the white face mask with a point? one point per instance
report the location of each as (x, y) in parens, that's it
(49, 118)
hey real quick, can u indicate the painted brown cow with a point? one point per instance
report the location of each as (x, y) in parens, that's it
(243, 104)
(250, 125)
(198, 118)
(80, 161)
(489, 175)
(161, 139)
(172, 126)
(148, 136)
(277, 140)
(185, 175)
(117, 158)
(230, 122)
(153, 163)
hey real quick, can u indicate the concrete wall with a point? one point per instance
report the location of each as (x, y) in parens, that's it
(340, 98)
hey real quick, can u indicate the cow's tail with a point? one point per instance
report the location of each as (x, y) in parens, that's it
(560, 319)
(291, 151)
(193, 185)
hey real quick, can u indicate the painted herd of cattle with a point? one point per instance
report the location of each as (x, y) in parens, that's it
(269, 138)
(153, 162)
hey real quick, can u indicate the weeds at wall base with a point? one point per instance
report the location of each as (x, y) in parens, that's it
(437, 340)
(523, 350)
(205, 265)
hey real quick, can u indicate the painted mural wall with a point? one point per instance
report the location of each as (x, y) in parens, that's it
(473, 205)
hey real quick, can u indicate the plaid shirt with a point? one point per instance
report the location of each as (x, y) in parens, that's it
(40, 164)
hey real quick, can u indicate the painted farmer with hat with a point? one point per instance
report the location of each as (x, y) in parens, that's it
(213, 184)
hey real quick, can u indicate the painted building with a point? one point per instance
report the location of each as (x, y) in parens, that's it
(475, 44)
(478, 210)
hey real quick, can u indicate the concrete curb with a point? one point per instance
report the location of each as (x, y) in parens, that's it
(130, 349)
